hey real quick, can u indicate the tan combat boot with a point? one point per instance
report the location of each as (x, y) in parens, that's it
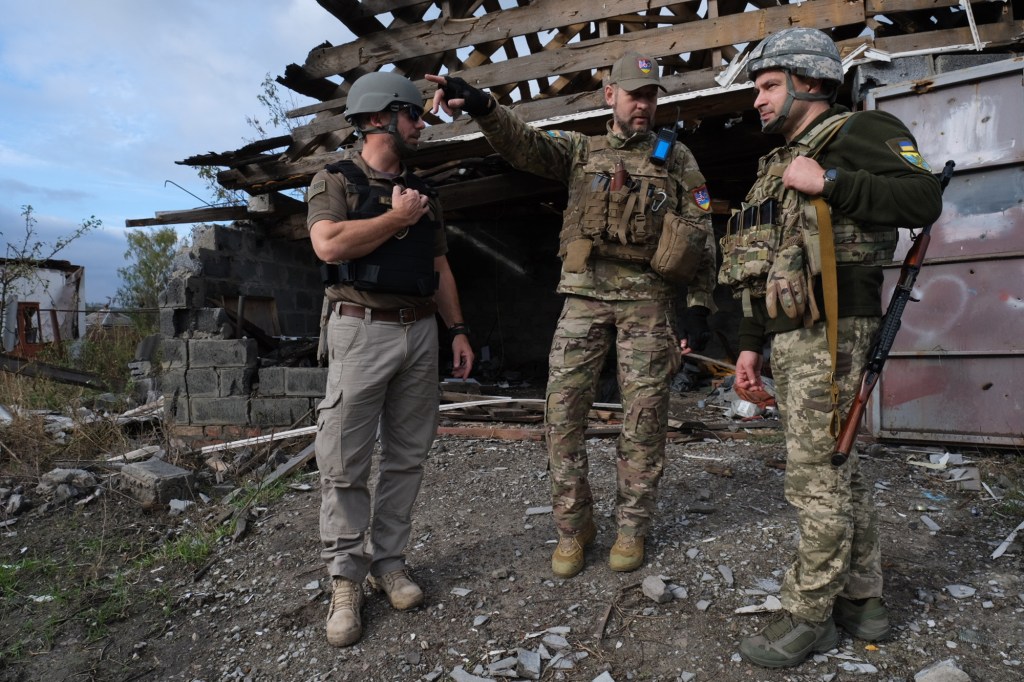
(567, 560)
(627, 553)
(344, 623)
(402, 592)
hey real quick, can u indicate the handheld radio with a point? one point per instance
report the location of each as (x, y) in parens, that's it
(663, 146)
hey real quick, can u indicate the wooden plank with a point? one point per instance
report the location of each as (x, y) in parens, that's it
(444, 33)
(1003, 33)
(41, 370)
(873, 7)
(497, 433)
(198, 215)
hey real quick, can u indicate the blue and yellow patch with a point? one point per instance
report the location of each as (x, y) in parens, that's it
(905, 149)
(558, 133)
(702, 197)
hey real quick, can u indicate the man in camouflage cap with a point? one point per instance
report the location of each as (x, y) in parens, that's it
(612, 243)
(862, 173)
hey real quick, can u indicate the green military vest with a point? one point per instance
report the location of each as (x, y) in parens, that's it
(773, 217)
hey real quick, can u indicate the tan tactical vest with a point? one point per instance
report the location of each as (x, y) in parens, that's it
(622, 224)
(773, 217)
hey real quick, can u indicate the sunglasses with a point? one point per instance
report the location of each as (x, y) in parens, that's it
(415, 113)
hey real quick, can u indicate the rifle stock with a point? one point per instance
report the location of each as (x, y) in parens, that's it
(887, 330)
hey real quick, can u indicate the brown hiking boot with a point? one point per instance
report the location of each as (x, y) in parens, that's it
(402, 592)
(344, 624)
(627, 553)
(567, 560)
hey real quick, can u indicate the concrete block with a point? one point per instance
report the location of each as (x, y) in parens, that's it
(156, 482)
(236, 381)
(210, 320)
(222, 353)
(219, 410)
(305, 381)
(168, 323)
(270, 381)
(173, 381)
(279, 412)
(174, 353)
(216, 264)
(202, 382)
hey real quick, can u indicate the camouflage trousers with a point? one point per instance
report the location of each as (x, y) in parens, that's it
(646, 355)
(838, 553)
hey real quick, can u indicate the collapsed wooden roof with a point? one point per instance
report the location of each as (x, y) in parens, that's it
(547, 58)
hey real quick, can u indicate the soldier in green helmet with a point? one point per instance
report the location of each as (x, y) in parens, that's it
(379, 231)
(804, 255)
(637, 224)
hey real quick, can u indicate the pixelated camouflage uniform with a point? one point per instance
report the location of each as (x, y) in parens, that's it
(879, 188)
(609, 301)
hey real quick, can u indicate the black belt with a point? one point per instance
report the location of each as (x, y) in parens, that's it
(402, 315)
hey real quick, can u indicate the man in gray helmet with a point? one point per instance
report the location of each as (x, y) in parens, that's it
(629, 196)
(804, 256)
(378, 229)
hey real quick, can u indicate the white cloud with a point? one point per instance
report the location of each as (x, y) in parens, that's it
(101, 99)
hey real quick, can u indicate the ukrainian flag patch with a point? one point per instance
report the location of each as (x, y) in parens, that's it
(702, 197)
(558, 133)
(905, 149)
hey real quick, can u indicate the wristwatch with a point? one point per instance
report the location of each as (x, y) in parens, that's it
(831, 175)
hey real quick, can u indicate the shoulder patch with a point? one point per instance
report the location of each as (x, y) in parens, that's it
(558, 133)
(316, 188)
(702, 197)
(904, 148)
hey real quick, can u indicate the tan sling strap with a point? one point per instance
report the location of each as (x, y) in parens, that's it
(830, 290)
(830, 287)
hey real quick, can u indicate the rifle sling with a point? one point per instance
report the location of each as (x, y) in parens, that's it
(830, 292)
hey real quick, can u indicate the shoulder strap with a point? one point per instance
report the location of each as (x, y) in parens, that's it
(350, 170)
(820, 138)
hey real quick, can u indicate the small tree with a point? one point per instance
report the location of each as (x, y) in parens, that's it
(20, 269)
(147, 269)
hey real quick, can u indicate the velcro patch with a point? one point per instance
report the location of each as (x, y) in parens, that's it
(317, 187)
(905, 149)
(558, 133)
(702, 197)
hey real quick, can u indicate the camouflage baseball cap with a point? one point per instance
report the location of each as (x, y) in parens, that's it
(633, 71)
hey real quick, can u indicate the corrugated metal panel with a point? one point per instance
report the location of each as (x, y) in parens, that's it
(956, 372)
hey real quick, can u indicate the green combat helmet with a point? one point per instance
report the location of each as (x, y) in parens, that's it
(806, 52)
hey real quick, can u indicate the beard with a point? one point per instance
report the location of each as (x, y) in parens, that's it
(630, 129)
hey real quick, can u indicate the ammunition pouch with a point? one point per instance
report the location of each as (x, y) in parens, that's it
(680, 249)
(751, 240)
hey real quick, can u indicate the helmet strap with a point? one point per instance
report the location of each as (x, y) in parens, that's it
(775, 125)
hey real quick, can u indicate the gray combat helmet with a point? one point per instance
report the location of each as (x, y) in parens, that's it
(807, 52)
(377, 91)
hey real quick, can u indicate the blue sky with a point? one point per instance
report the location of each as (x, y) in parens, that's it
(98, 100)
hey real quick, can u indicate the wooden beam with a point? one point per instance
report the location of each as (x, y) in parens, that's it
(197, 215)
(440, 35)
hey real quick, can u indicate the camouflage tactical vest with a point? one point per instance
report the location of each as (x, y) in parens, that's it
(623, 224)
(773, 217)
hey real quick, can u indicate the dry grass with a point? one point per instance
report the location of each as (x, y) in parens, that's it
(28, 446)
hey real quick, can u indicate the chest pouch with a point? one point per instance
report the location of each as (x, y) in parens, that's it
(749, 246)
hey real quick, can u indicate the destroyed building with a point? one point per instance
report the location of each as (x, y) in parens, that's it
(240, 322)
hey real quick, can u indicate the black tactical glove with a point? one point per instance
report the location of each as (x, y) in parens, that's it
(476, 102)
(696, 330)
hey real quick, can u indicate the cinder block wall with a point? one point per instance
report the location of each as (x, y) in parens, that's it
(213, 384)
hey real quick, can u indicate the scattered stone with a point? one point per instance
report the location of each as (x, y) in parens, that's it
(536, 511)
(929, 524)
(703, 605)
(858, 668)
(460, 675)
(943, 671)
(528, 664)
(556, 641)
(678, 591)
(507, 663)
(604, 677)
(654, 589)
(480, 620)
(726, 574)
(500, 574)
(960, 591)
(771, 603)
(461, 591)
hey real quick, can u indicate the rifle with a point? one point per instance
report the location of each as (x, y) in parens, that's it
(887, 329)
